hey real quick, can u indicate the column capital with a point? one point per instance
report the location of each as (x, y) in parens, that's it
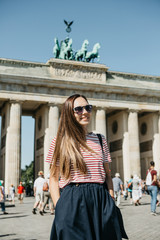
(16, 101)
(131, 110)
(53, 104)
(100, 108)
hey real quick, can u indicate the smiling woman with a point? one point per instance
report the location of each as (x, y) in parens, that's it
(82, 111)
(80, 159)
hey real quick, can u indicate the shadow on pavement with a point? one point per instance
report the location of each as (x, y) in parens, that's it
(24, 239)
(7, 235)
(14, 216)
(8, 206)
(13, 213)
(128, 204)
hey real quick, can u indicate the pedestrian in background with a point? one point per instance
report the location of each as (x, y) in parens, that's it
(151, 182)
(135, 190)
(38, 193)
(118, 188)
(85, 209)
(11, 194)
(130, 186)
(140, 190)
(2, 197)
(20, 191)
(125, 192)
(47, 197)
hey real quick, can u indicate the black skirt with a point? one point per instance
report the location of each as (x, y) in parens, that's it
(86, 211)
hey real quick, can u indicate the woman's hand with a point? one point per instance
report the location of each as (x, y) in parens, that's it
(109, 180)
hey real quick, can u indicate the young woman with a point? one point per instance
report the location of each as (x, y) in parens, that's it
(85, 209)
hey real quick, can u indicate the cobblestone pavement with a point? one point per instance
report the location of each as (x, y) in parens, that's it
(21, 224)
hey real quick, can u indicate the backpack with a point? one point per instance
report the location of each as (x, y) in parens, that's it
(45, 187)
(130, 185)
(149, 178)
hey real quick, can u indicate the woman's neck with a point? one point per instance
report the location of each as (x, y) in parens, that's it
(85, 129)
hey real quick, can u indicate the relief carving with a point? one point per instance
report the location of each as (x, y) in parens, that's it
(77, 73)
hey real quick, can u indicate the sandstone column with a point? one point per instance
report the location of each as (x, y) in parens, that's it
(101, 121)
(13, 146)
(134, 150)
(51, 131)
(125, 148)
(156, 141)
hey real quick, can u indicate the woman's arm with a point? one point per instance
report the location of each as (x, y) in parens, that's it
(154, 178)
(109, 179)
(54, 187)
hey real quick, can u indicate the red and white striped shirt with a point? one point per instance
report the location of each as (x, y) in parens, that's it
(94, 162)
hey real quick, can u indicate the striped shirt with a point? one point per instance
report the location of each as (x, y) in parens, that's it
(94, 162)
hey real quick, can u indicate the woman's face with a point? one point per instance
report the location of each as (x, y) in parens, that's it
(84, 117)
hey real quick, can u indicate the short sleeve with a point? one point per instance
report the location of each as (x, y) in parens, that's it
(121, 183)
(35, 183)
(107, 156)
(153, 172)
(49, 158)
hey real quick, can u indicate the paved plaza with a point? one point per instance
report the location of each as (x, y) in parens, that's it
(21, 224)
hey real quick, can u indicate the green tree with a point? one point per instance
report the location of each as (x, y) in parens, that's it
(27, 174)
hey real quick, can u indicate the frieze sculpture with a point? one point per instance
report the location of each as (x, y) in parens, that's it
(65, 51)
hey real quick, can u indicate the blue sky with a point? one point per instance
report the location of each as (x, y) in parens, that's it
(128, 31)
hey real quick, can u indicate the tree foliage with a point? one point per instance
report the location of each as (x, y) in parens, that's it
(27, 174)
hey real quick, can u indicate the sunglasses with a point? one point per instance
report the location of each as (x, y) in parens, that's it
(79, 109)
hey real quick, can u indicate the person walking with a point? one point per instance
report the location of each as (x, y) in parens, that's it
(125, 192)
(140, 190)
(11, 194)
(47, 197)
(151, 182)
(20, 191)
(38, 193)
(130, 186)
(80, 165)
(118, 188)
(135, 190)
(2, 197)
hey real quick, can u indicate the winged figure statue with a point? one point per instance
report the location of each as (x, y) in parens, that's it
(68, 24)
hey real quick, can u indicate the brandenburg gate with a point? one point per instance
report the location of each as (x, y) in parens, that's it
(126, 109)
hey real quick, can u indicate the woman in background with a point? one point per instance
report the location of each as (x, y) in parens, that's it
(11, 193)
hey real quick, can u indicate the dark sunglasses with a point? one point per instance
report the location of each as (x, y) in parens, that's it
(79, 109)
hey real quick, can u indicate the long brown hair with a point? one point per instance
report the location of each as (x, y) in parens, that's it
(70, 137)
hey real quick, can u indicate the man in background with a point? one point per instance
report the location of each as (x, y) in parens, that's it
(38, 193)
(118, 188)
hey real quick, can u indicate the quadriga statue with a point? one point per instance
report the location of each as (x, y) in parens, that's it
(64, 51)
(94, 54)
(81, 54)
(56, 49)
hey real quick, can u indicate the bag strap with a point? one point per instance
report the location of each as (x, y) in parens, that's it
(101, 143)
(100, 140)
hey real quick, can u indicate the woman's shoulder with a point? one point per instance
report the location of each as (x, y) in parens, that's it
(53, 141)
(95, 135)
